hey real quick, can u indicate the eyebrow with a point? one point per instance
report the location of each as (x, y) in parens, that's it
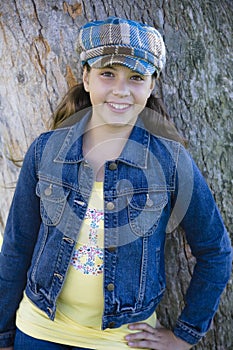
(113, 67)
(108, 66)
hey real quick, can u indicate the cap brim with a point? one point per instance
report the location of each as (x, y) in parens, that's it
(138, 65)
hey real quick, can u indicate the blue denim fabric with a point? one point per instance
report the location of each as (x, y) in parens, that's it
(152, 187)
(25, 342)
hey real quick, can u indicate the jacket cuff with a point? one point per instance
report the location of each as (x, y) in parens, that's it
(7, 339)
(187, 333)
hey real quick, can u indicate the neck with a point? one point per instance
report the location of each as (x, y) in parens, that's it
(102, 133)
(103, 143)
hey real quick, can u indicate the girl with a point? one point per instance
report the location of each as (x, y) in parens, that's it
(82, 262)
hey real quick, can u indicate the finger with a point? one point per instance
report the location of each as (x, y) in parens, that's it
(143, 344)
(141, 336)
(142, 327)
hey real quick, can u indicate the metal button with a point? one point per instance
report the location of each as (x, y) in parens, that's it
(48, 191)
(112, 249)
(110, 206)
(51, 311)
(58, 275)
(110, 287)
(149, 202)
(79, 202)
(111, 324)
(69, 240)
(113, 166)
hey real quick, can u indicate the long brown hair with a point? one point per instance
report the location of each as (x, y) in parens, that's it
(155, 116)
(75, 100)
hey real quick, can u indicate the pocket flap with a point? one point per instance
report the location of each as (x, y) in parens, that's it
(53, 200)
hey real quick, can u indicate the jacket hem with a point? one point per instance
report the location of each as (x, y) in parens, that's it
(7, 339)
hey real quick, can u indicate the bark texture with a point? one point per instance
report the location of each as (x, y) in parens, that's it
(39, 62)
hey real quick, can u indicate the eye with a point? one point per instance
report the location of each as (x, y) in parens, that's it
(107, 74)
(137, 77)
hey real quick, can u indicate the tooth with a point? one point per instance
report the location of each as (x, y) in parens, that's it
(120, 106)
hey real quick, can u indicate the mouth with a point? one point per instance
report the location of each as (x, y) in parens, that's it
(119, 107)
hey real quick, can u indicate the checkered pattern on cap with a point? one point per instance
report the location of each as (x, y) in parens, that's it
(117, 40)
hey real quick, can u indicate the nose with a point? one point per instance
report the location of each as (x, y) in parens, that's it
(121, 88)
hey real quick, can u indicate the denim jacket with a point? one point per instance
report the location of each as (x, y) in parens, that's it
(153, 186)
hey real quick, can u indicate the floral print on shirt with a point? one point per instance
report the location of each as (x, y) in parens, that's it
(89, 258)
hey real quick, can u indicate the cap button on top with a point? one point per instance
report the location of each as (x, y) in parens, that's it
(113, 166)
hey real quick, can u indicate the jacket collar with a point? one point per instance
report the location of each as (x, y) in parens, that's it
(135, 152)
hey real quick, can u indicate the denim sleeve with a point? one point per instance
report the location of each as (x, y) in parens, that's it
(19, 239)
(210, 245)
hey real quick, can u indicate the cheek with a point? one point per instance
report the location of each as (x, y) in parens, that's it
(97, 89)
(149, 92)
(94, 93)
(97, 96)
(143, 95)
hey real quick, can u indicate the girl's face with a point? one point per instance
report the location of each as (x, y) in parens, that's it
(117, 94)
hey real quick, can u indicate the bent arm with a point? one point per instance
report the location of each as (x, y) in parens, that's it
(210, 245)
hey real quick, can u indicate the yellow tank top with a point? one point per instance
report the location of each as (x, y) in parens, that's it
(80, 304)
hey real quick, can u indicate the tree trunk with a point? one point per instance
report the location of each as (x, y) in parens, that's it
(39, 62)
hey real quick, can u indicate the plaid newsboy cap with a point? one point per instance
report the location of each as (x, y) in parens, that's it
(120, 41)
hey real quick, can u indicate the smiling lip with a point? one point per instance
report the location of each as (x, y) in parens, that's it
(119, 106)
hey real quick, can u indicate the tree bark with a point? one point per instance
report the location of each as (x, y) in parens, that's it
(39, 62)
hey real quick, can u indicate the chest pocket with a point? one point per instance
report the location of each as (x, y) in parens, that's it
(53, 199)
(145, 210)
